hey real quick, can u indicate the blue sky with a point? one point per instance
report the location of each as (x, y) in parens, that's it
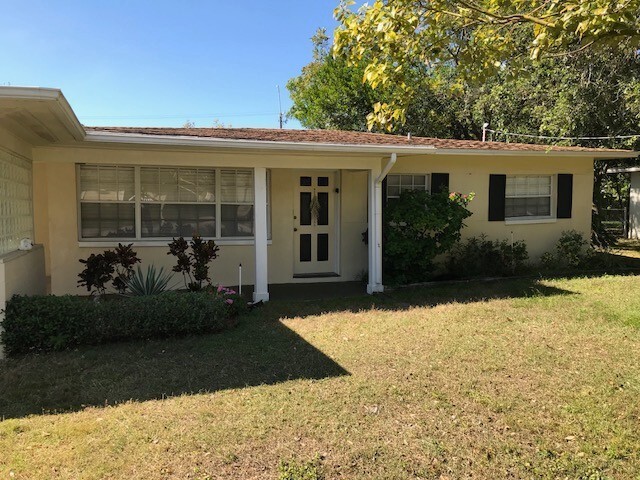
(161, 63)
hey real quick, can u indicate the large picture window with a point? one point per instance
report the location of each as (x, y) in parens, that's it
(528, 196)
(149, 203)
(177, 202)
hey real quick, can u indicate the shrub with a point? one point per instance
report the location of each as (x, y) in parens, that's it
(153, 282)
(100, 269)
(418, 227)
(57, 323)
(478, 256)
(571, 251)
(193, 265)
(48, 323)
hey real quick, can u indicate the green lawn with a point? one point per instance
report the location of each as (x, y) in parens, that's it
(507, 379)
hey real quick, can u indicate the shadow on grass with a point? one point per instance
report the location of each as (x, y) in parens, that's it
(254, 353)
(261, 350)
(401, 298)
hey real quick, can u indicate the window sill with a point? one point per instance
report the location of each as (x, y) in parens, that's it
(526, 221)
(159, 243)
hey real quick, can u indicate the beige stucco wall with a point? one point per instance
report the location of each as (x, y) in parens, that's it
(471, 174)
(56, 203)
(56, 212)
(21, 272)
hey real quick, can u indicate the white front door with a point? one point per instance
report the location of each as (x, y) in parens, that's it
(314, 223)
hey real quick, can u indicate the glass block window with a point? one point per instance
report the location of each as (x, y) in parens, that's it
(396, 184)
(125, 202)
(16, 204)
(528, 196)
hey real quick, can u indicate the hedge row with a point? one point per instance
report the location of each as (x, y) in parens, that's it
(41, 323)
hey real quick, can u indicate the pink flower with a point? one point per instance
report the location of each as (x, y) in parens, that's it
(220, 288)
(229, 301)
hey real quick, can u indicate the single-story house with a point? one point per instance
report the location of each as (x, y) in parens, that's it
(289, 205)
(633, 230)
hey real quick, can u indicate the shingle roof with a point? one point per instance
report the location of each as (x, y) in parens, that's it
(338, 137)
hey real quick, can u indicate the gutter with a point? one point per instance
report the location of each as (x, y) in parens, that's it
(93, 137)
(392, 161)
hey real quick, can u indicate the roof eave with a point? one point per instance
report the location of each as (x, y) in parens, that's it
(186, 141)
(39, 94)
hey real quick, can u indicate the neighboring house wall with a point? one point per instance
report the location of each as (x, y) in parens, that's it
(634, 206)
(21, 272)
(471, 174)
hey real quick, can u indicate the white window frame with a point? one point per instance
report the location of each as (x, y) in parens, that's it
(138, 239)
(427, 185)
(552, 201)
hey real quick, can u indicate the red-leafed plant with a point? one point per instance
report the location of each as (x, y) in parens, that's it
(194, 264)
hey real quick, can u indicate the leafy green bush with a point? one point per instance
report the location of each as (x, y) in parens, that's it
(418, 227)
(152, 282)
(479, 257)
(58, 323)
(572, 251)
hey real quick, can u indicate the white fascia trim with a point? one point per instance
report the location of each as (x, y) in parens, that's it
(177, 140)
(182, 140)
(38, 93)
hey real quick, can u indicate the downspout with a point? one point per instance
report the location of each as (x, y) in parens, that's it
(392, 161)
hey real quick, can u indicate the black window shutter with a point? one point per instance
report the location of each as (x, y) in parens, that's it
(497, 190)
(439, 182)
(565, 195)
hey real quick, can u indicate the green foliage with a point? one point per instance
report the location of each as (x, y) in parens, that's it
(481, 38)
(329, 94)
(152, 282)
(100, 269)
(193, 265)
(41, 323)
(479, 257)
(418, 227)
(571, 251)
(293, 470)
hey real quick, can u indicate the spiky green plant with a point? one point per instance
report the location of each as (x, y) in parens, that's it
(153, 282)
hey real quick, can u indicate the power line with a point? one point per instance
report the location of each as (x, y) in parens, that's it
(188, 116)
(549, 137)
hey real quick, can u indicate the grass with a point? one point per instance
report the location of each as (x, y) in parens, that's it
(517, 378)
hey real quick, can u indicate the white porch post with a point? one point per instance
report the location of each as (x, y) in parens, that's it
(375, 234)
(261, 287)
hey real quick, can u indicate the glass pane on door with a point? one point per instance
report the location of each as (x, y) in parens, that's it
(323, 214)
(305, 208)
(305, 247)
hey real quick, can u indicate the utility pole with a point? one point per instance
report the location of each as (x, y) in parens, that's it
(280, 116)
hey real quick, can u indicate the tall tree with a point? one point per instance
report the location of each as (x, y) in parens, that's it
(482, 37)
